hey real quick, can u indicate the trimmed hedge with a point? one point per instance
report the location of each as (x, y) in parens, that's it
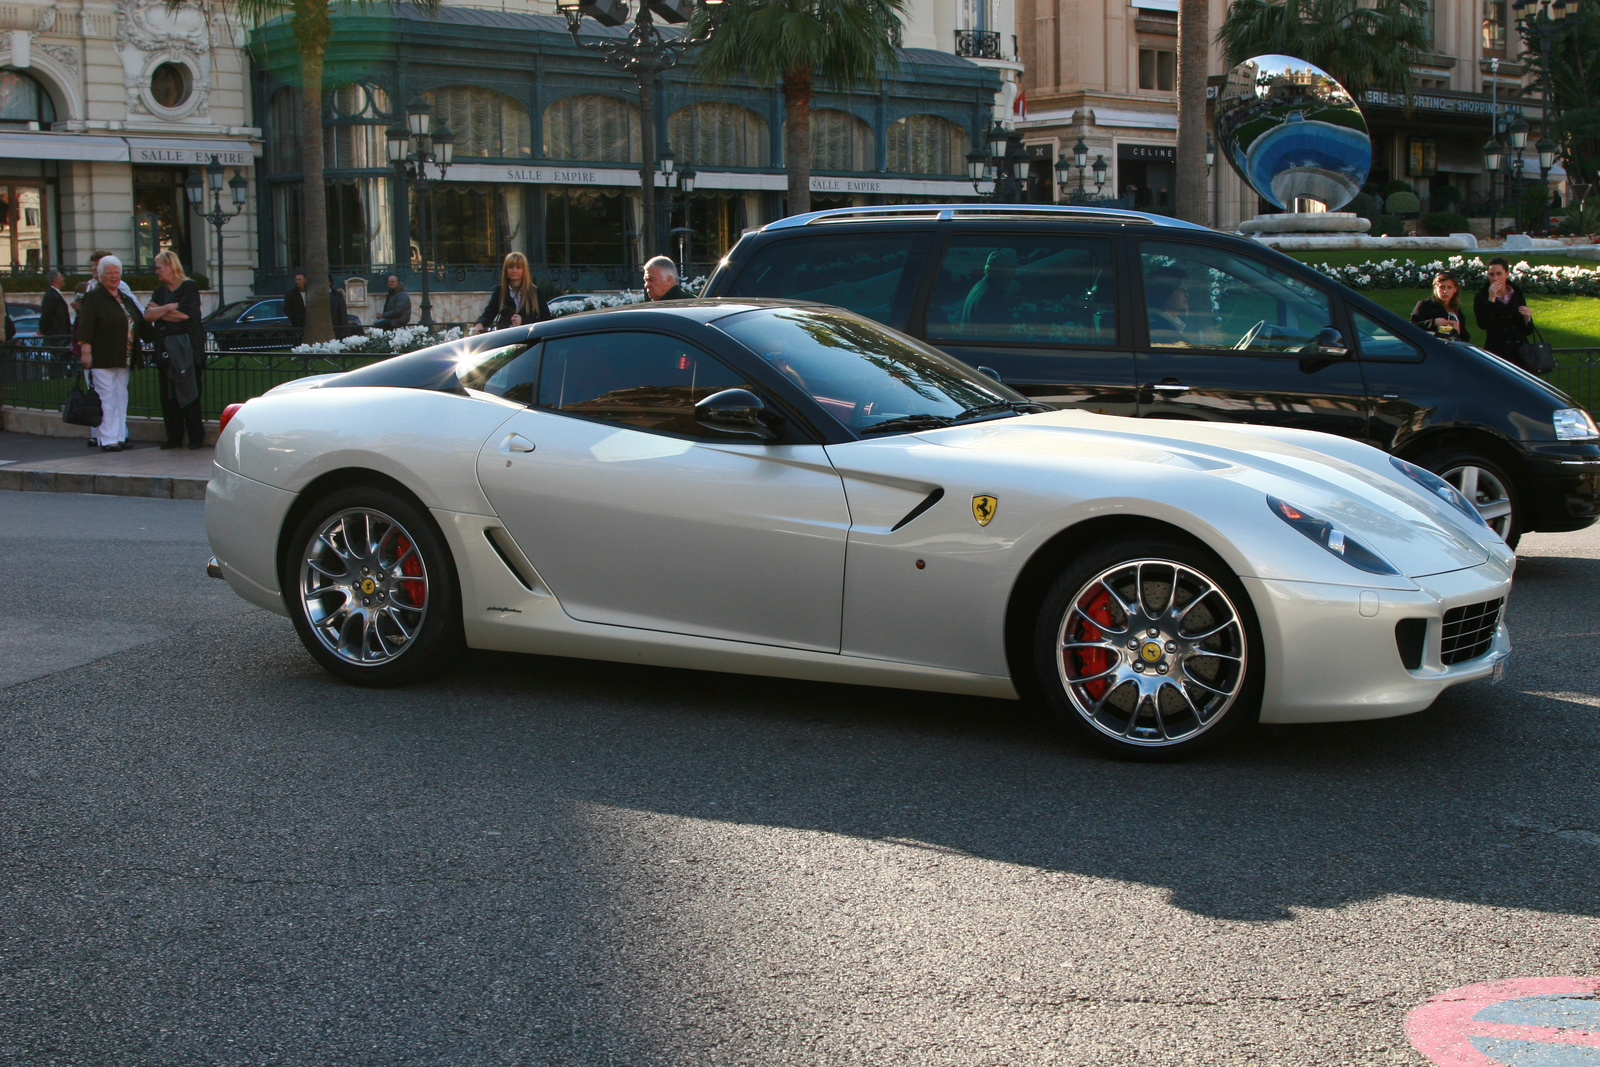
(1444, 223)
(38, 283)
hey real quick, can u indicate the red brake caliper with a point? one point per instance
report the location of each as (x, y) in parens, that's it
(416, 591)
(1092, 661)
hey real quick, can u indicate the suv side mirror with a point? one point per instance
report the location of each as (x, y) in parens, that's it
(1330, 342)
(739, 412)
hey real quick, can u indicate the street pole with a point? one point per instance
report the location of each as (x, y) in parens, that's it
(217, 217)
(411, 148)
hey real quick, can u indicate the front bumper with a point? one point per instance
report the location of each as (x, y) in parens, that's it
(1564, 485)
(1333, 650)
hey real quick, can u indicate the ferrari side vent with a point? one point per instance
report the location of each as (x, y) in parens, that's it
(510, 555)
(928, 502)
(1469, 631)
(1410, 635)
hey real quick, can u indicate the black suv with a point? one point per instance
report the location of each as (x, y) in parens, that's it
(1125, 313)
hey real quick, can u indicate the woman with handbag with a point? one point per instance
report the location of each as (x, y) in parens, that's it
(174, 310)
(1442, 313)
(1503, 314)
(109, 329)
(516, 301)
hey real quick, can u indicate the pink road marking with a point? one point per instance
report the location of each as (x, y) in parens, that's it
(1442, 1029)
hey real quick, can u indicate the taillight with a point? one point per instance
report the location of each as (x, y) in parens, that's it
(227, 416)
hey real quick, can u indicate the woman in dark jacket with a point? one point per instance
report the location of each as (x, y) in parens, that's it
(109, 330)
(1442, 313)
(516, 301)
(1502, 313)
(174, 310)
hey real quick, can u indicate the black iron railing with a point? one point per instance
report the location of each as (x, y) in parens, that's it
(1575, 374)
(978, 44)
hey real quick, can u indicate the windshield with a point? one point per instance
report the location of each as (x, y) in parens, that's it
(868, 377)
(229, 312)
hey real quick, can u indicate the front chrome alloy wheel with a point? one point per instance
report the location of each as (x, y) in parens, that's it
(363, 586)
(1151, 653)
(1487, 493)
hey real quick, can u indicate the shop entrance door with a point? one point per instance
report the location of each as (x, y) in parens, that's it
(24, 225)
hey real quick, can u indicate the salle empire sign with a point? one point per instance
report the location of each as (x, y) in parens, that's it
(191, 157)
(845, 185)
(629, 179)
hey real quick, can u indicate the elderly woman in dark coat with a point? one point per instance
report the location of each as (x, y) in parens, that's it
(1503, 314)
(174, 311)
(110, 327)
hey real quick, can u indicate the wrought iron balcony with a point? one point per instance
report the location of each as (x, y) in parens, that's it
(978, 44)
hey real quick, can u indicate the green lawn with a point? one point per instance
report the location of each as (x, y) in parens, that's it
(1565, 321)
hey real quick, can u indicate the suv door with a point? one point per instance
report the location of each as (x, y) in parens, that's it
(1041, 309)
(1229, 337)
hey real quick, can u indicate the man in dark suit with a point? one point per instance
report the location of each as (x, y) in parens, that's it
(55, 318)
(294, 303)
(338, 311)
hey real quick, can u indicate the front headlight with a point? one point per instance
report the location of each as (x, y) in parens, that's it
(1331, 538)
(1432, 483)
(1574, 424)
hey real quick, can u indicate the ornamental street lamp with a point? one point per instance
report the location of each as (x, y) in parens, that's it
(644, 53)
(196, 192)
(1080, 160)
(1006, 163)
(412, 149)
(681, 180)
(1543, 20)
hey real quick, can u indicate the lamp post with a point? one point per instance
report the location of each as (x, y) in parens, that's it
(1006, 163)
(196, 192)
(644, 53)
(412, 148)
(1517, 138)
(1080, 160)
(680, 180)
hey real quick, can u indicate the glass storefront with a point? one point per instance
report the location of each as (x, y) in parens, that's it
(160, 216)
(589, 226)
(468, 223)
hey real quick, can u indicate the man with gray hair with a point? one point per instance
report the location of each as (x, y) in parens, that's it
(661, 281)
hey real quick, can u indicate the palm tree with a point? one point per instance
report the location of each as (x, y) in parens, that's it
(1363, 47)
(1194, 53)
(796, 44)
(311, 22)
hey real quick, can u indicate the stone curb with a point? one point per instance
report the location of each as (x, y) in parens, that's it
(25, 480)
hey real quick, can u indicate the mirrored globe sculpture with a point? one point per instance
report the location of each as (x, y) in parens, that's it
(1293, 132)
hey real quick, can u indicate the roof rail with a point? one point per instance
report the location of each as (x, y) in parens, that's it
(943, 212)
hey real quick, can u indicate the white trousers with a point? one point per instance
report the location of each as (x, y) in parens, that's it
(112, 385)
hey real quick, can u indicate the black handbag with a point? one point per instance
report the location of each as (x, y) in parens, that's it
(83, 404)
(1537, 356)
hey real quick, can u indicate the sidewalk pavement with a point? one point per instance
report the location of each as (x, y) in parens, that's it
(31, 463)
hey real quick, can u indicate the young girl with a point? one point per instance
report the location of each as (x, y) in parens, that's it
(1442, 314)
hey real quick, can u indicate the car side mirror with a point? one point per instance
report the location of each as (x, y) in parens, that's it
(739, 412)
(1330, 342)
(991, 372)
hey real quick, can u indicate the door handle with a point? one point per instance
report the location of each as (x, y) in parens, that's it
(1170, 387)
(515, 442)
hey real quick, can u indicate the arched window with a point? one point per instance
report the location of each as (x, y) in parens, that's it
(23, 100)
(926, 144)
(487, 124)
(840, 141)
(593, 128)
(354, 122)
(719, 135)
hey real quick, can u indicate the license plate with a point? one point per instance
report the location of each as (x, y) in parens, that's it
(1499, 674)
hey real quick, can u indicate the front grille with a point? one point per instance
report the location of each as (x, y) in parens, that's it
(1469, 631)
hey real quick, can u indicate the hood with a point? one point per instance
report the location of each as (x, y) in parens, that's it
(1344, 482)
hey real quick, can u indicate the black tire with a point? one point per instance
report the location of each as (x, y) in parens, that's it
(372, 589)
(1186, 676)
(1485, 483)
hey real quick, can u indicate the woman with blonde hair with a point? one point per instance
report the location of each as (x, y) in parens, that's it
(516, 301)
(174, 310)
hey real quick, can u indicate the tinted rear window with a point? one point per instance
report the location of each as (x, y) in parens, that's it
(872, 274)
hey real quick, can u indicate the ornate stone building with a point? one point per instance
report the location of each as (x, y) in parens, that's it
(105, 109)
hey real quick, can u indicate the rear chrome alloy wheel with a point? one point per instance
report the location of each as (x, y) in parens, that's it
(1487, 493)
(1151, 653)
(363, 587)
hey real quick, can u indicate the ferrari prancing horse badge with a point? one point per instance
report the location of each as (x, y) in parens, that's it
(983, 508)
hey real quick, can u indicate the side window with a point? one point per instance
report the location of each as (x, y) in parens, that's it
(864, 273)
(1198, 297)
(648, 381)
(510, 372)
(1377, 341)
(1012, 287)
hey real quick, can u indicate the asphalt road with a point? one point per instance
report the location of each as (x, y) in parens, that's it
(212, 853)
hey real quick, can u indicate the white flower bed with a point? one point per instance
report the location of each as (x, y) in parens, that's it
(615, 300)
(1404, 274)
(381, 342)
